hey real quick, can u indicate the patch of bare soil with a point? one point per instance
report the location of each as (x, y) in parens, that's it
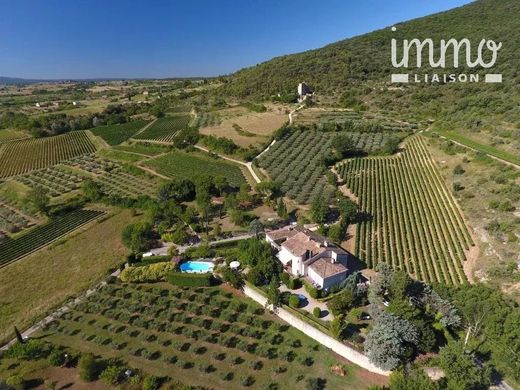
(64, 378)
(254, 128)
(471, 261)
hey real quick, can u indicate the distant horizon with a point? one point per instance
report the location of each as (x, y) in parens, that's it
(124, 40)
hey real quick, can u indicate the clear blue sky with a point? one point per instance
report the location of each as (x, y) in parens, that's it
(126, 38)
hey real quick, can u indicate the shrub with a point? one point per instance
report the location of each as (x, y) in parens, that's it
(285, 278)
(149, 273)
(247, 381)
(30, 350)
(294, 284)
(313, 291)
(316, 312)
(294, 301)
(190, 280)
(314, 384)
(150, 383)
(111, 375)
(56, 358)
(15, 382)
(88, 367)
(255, 277)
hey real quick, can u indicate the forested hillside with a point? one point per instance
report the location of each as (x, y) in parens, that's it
(359, 68)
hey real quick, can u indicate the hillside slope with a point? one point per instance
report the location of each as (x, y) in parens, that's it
(362, 67)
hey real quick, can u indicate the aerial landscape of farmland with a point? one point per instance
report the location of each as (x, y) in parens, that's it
(183, 205)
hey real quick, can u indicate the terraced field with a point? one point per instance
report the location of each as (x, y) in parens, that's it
(41, 236)
(116, 134)
(55, 180)
(413, 221)
(191, 165)
(12, 220)
(27, 155)
(112, 176)
(164, 129)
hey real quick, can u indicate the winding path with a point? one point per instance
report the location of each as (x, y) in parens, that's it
(248, 165)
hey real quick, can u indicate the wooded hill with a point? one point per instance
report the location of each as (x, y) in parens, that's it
(359, 68)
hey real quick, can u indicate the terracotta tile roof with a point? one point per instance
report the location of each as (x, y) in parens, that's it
(281, 234)
(326, 268)
(301, 243)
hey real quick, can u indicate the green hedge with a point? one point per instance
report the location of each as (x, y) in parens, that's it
(190, 280)
(151, 260)
(147, 273)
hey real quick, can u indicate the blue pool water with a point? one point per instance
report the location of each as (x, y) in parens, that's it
(196, 266)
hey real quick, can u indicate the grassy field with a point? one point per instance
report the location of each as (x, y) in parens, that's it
(471, 143)
(27, 155)
(10, 135)
(116, 134)
(206, 336)
(32, 286)
(143, 149)
(413, 221)
(43, 235)
(190, 165)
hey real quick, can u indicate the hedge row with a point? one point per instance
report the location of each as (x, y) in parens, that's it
(148, 273)
(190, 280)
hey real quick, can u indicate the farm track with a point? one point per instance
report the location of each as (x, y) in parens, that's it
(494, 157)
(144, 128)
(248, 165)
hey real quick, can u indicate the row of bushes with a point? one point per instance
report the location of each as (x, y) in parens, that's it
(148, 273)
(190, 280)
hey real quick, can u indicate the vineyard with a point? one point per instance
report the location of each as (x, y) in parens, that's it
(164, 129)
(413, 221)
(26, 155)
(118, 133)
(190, 165)
(297, 163)
(11, 250)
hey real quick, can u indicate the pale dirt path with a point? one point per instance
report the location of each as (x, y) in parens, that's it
(248, 165)
(292, 112)
(153, 172)
(476, 150)
(144, 128)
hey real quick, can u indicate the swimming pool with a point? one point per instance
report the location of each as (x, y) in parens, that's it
(197, 266)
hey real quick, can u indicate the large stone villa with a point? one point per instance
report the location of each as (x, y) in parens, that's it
(307, 254)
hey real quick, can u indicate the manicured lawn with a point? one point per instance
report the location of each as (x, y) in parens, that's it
(41, 281)
(201, 336)
(190, 165)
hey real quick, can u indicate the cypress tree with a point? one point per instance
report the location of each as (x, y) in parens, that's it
(18, 335)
